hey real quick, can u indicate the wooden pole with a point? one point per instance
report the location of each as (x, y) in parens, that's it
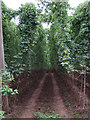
(2, 65)
(1, 57)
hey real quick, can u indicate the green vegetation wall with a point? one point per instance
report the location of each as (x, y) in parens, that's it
(32, 35)
(10, 35)
(63, 46)
(80, 36)
(23, 42)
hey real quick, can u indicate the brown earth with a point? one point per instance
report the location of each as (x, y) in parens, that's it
(49, 94)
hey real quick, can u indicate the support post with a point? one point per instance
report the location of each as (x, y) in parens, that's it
(2, 65)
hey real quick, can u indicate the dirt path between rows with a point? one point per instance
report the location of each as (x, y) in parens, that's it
(58, 103)
(29, 109)
(49, 97)
(45, 99)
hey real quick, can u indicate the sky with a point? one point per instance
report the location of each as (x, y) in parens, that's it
(15, 4)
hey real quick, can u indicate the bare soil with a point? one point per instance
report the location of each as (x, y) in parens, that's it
(51, 93)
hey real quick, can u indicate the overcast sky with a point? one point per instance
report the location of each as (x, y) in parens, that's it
(15, 4)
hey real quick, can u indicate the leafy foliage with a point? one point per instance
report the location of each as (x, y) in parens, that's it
(57, 35)
(80, 36)
(6, 78)
(2, 114)
(64, 46)
(10, 36)
(41, 116)
(28, 46)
